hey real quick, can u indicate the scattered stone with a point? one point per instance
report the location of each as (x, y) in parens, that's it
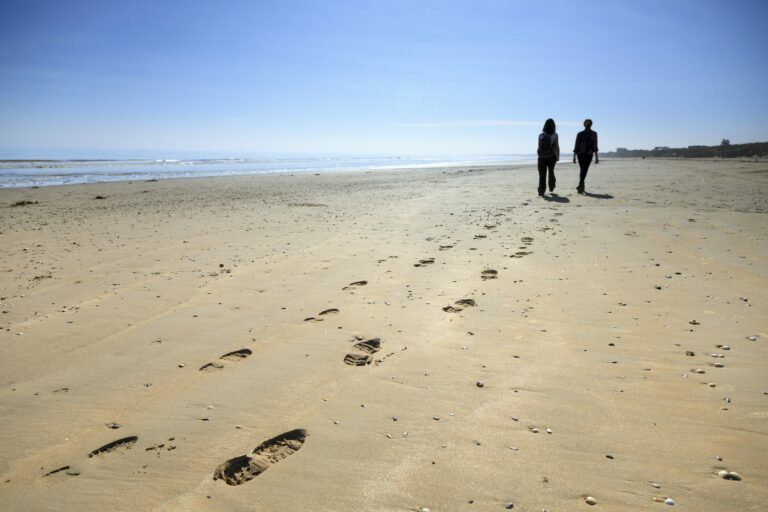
(590, 500)
(694, 322)
(729, 475)
(480, 384)
(690, 353)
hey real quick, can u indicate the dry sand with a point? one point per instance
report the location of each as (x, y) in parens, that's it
(620, 351)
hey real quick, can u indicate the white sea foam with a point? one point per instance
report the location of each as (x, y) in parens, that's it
(30, 172)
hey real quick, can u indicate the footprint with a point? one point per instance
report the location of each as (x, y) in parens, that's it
(351, 286)
(332, 311)
(125, 442)
(237, 355)
(369, 346)
(357, 359)
(424, 262)
(451, 309)
(476, 237)
(68, 471)
(488, 274)
(211, 367)
(241, 469)
(466, 302)
(445, 247)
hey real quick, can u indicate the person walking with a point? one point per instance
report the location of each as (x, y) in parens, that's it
(549, 154)
(583, 149)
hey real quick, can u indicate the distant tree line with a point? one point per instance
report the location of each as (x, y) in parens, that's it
(724, 150)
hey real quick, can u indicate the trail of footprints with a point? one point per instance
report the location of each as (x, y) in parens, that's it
(244, 468)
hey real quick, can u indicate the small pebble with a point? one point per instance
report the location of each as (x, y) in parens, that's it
(590, 500)
(181, 365)
(655, 485)
(549, 431)
(729, 475)
(480, 384)
(609, 456)
(669, 501)
(694, 322)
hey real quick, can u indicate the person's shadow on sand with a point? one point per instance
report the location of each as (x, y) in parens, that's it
(556, 198)
(598, 196)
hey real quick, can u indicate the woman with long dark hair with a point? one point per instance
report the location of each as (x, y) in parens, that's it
(549, 154)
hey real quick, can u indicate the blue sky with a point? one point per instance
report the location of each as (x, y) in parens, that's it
(389, 77)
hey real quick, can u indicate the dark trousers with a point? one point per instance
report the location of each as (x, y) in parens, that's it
(547, 168)
(584, 160)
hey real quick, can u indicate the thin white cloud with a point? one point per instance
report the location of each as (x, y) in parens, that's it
(482, 123)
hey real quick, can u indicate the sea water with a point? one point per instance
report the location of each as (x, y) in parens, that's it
(27, 169)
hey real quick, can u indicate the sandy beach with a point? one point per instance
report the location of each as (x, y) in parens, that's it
(436, 339)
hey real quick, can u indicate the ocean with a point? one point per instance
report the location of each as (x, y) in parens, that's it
(26, 169)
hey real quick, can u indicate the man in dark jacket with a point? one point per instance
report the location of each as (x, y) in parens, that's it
(585, 147)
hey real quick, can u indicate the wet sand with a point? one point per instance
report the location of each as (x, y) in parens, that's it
(399, 340)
